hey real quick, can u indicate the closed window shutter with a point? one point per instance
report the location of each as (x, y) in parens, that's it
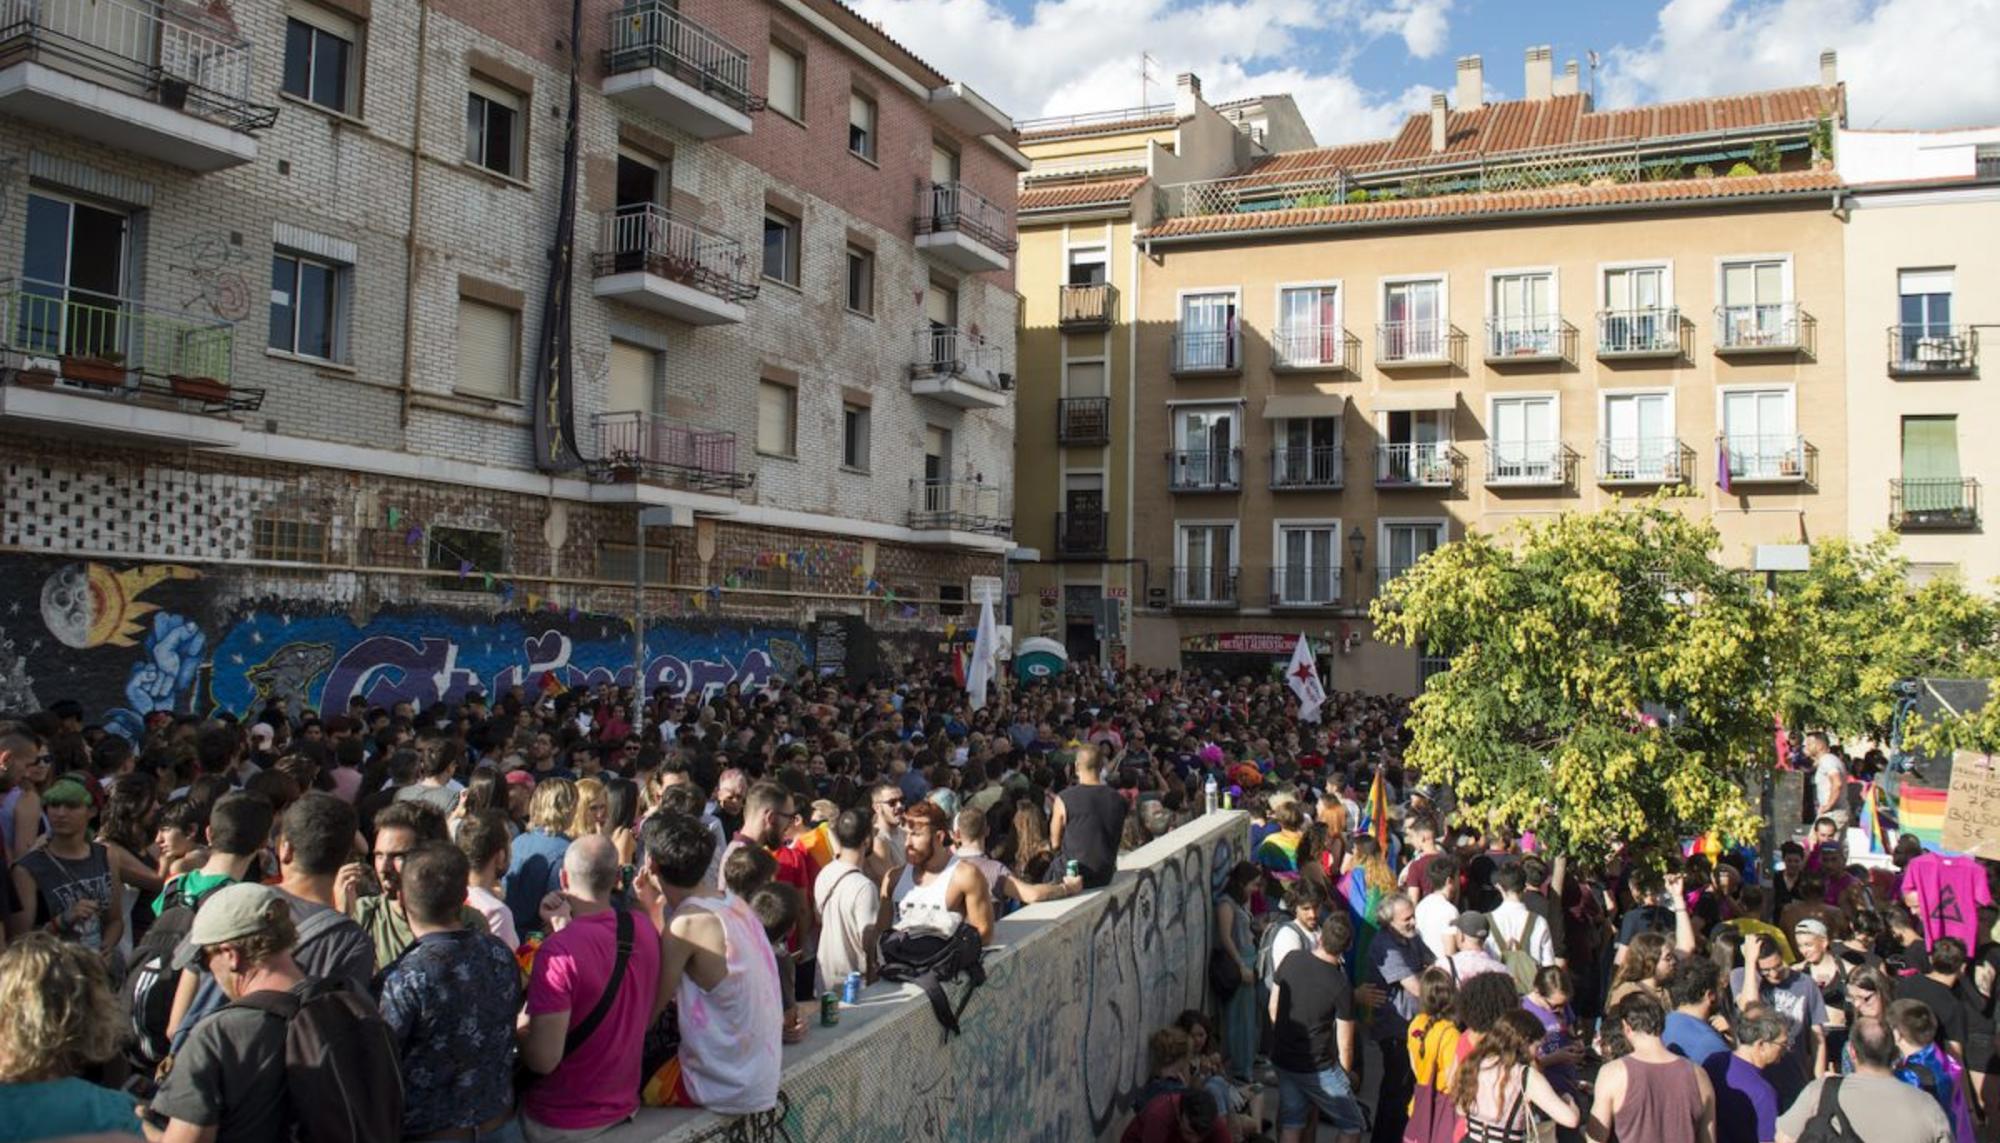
(487, 343)
(631, 383)
(782, 89)
(1930, 448)
(774, 417)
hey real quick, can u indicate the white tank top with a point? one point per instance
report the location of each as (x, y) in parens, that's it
(732, 1038)
(923, 906)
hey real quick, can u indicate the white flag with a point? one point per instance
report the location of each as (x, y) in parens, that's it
(985, 650)
(1303, 677)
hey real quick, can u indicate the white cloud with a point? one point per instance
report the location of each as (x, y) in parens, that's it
(1907, 63)
(1083, 55)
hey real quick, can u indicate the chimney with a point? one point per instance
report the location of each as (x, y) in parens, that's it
(1471, 84)
(1437, 121)
(1829, 68)
(1540, 78)
(1187, 93)
(1567, 83)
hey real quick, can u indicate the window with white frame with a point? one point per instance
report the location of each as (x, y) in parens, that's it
(1416, 448)
(1208, 333)
(1524, 441)
(785, 87)
(861, 117)
(1523, 316)
(309, 306)
(1923, 317)
(1406, 542)
(489, 349)
(1638, 311)
(1307, 452)
(1757, 305)
(493, 127)
(1308, 563)
(1759, 434)
(1413, 320)
(1086, 266)
(854, 437)
(1205, 446)
(781, 246)
(322, 65)
(860, 280)
(1309, 330)
(1639, 441)
(1205, 556)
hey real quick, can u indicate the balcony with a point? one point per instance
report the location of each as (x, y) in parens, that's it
(1778, 328)
(1205, 470)
(1083, 309)
(1416, 344)
(960, 228)
(1431, 464)
(1083, 421)
(102, 366)
(1306, 469)
(1785, 459)
(960, 368)
(1208, 353)
(1934, 505)
(666, 65)
(1643, 460)
(1538, 339)
(648, 258)
(1633, 335)
(1082, 534)
(1205, 587)
(165, 82)
(1305, 587)
(960, 506)
(644, 446)
(1528, 464)
(1313, 347)
(1933, 350)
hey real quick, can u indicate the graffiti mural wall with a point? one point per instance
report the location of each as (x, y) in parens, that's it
(129, 639)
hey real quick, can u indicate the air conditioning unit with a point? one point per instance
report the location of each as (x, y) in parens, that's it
(1006, 382)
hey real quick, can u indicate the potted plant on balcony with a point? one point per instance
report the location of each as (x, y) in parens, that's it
(1788, 465)
(36, 373)
(173, 92)
(206, 390)
(105, 369)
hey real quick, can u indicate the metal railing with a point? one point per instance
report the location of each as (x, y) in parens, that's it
(1083, 421)
(944, 207)
(1314, 345)
(1208, 351)
(1643, 460)
(668, 449)
(1773, 326)
(1205, 470)
(1785, 458)
(40, 320)
(174, 55)
(1527, 462)
(943, 351)
(1919, 505)
(651, 239)
(1305, 586)
(1206, 585)
(1247, 194)
(961, 506)
(1646, 332)
(1082, 533)
(1087, 307)
(1398, 342)
(1432, 464)
(1918, 348)
(1128, 160)
(1092, 118)
(1531, 337)
(652, 34)
(1295, 468)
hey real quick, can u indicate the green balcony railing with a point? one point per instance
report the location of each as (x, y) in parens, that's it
(112, 344)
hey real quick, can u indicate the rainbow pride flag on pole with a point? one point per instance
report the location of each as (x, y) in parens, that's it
(1375, 813)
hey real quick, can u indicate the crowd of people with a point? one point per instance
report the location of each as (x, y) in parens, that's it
(528, 915)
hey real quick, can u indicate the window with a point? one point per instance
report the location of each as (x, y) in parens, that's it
(1639, 441)
(452, 549)
(74, 266)
(618, 562)
(951, 600)
(489, 349)
(1638, 314)
(1524, 440)
(781, 247)
(1308, 453)
(860, 280)
(1413, 320)
(1924, 318)
(1758, 435)
(1086, 266)
(1208, 332)
(631, 382)
(307, 316)
(320, 58)
(1416, 449)
(1205, 556)
(1308, 570)
(854, 437)
(290, 541)
(1986, 161)
(1756, 308)
(1933, 488)
(861, 116)
(493, 125)
(784, 89)
(1309, 326)
(1403, 544)
(777, 419)
(1524, 316)
(1205, 443)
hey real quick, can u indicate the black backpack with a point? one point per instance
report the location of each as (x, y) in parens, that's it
(1829, 1124)
(342, 1081)
(930, 960)
(151, 979)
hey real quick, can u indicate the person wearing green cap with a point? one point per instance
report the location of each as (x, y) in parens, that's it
(66, 886)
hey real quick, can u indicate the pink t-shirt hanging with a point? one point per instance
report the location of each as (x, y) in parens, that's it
(1950, 891)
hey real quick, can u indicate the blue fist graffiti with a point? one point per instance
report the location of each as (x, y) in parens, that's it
(172, 656)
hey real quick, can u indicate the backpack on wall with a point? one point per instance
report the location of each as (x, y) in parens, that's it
(342, 1081)
(930, 960)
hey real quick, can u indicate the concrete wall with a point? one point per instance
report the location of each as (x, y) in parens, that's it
(1054, 1045)
(1901, 156)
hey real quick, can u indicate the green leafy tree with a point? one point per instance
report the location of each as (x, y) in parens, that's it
(1607, 679)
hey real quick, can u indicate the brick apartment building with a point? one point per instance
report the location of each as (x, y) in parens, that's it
(275, 417)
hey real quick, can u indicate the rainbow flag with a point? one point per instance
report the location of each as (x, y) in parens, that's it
(1921, 812)
(1871, 818)
(1375, 813)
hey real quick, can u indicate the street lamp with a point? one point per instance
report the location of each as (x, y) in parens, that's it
(1356, 545)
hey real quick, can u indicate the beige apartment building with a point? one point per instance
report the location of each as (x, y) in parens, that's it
(1347, 356)
(1923, 284)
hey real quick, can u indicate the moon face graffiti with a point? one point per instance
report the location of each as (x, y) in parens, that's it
(93, 605)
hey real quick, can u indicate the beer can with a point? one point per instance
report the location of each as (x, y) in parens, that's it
(1072, 869)
(829, 1009)
(850, 989)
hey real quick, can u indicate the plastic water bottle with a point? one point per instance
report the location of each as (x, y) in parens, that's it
(1208, 790)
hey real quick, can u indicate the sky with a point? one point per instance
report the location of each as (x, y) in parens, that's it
(1357, 67)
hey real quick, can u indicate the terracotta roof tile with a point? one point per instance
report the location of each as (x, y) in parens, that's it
(1456, 206)
(1071, 195)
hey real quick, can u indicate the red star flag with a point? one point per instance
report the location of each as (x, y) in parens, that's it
(1303, 678)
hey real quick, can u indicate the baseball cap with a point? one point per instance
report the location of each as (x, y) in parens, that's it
(520, 778)
(1474, 925)
(230, 913)
(1810, 926)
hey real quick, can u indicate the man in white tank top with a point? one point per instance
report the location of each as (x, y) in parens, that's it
(936, 890)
